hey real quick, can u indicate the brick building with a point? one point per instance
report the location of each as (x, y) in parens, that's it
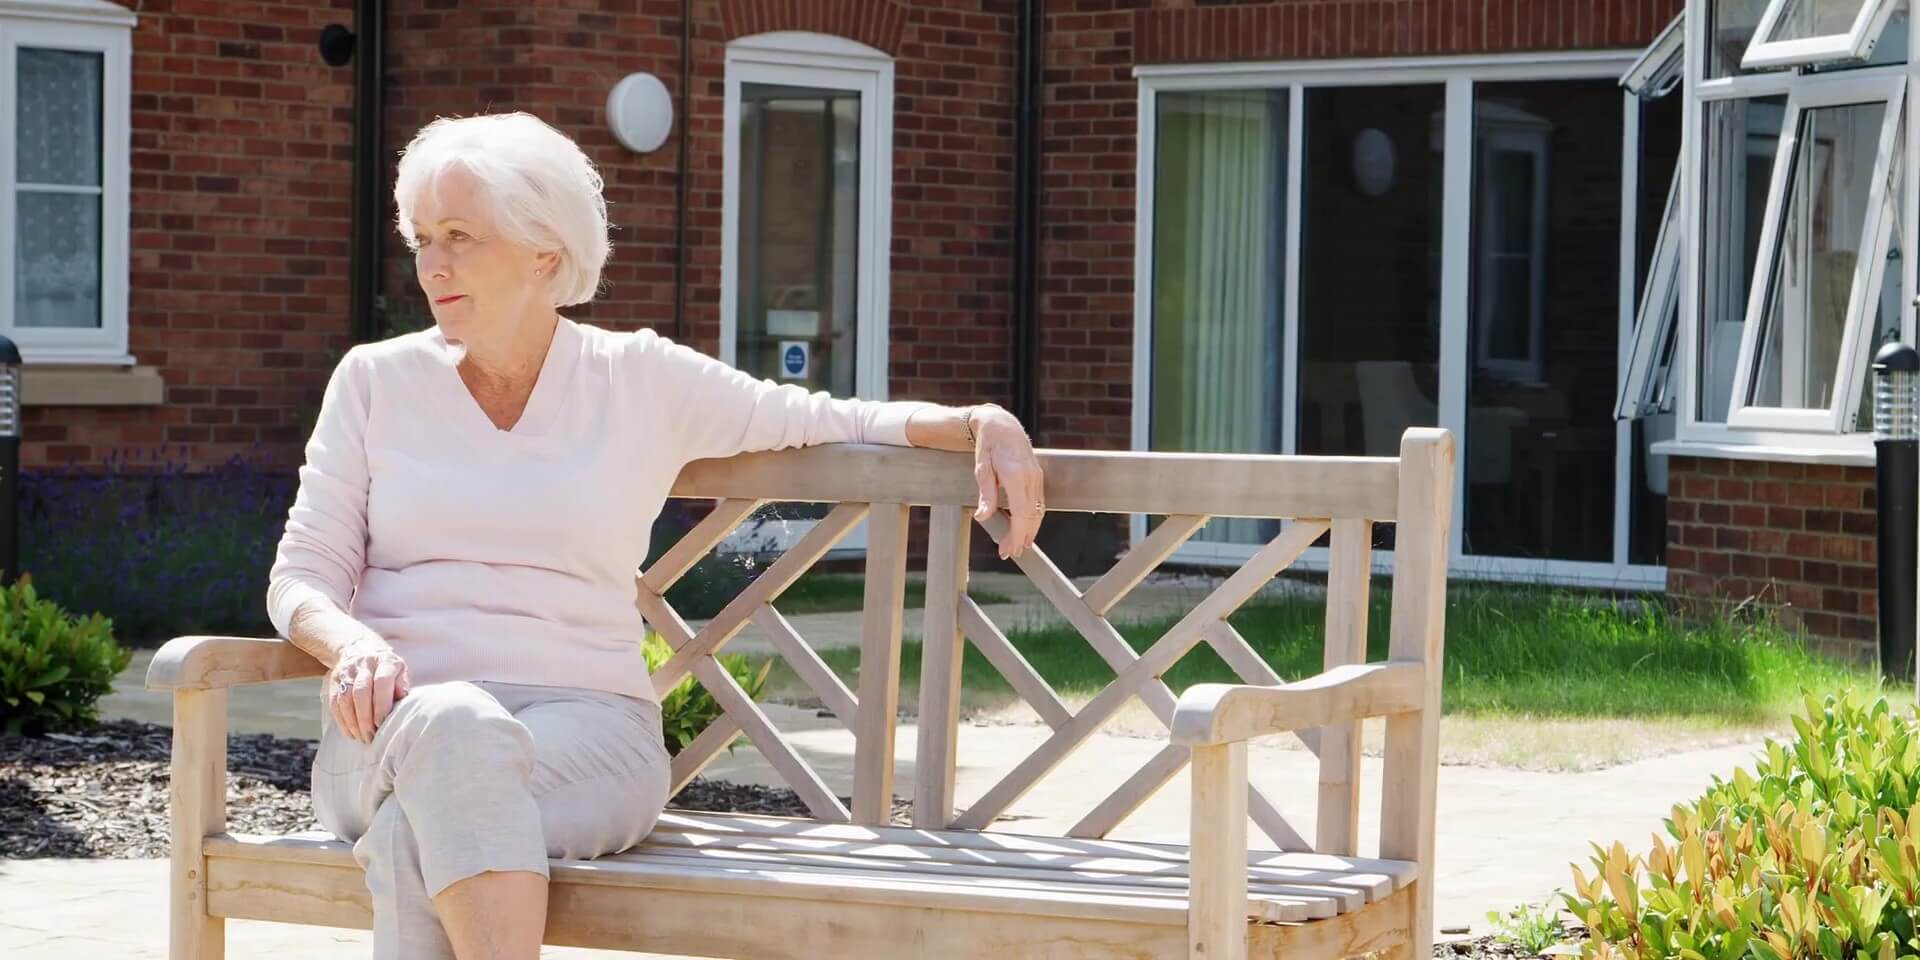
(1288, 225)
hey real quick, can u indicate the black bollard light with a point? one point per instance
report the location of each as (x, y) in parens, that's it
(1896, 478)
(9, 461)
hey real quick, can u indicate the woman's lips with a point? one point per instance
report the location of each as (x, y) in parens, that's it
(443, 301)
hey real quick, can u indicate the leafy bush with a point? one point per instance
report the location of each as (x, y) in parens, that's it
(53, 666)
(1534, 928)
(688, 708)
(1815, 854)
(158, 548)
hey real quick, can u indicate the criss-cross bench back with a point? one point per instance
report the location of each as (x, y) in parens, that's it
(954, 884)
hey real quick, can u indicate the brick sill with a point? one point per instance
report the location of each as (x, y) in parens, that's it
(1761, 452)
(65, 385)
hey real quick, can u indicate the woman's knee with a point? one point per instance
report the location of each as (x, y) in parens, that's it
(458, 718)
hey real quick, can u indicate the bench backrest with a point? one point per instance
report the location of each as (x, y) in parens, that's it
(1336, 500)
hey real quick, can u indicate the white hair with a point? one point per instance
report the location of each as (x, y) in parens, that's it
(543, 191)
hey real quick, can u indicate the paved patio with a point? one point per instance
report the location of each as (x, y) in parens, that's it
(1505, 836)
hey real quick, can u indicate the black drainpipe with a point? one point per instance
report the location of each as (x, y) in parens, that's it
(369, 167)
(1029, 49)
(680, 177)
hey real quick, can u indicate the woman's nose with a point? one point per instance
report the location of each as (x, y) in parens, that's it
(429, 263)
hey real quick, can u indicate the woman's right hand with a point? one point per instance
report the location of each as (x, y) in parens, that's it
(363, 685)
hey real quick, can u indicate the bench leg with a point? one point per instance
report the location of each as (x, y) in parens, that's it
(1217, 901)
(198, 810)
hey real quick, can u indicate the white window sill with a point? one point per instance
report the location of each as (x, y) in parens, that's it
(75, 385)
(1770, 453)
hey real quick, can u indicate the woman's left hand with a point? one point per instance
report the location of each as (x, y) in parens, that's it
(1003, 460)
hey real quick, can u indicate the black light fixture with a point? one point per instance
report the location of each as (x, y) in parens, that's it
(336, 44)
(1896, 478)
(9, 461)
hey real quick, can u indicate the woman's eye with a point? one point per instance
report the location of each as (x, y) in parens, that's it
(457, 235)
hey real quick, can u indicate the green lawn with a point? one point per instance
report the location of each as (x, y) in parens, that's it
(1516, 658)
(841, 592)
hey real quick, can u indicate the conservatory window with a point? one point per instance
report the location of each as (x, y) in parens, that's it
(1644, 389)
(1823, 253)
(1801, 32)
(1660, 68)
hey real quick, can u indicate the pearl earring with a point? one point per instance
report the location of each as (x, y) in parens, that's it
(536, 273)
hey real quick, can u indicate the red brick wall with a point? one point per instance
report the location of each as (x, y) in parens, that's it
(952, 141)
(238, 260)
(1392, 28)
(241, 177)
(1799, 539)
(876, 23)
(557, 62)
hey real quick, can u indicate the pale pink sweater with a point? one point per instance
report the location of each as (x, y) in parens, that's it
(487, 554)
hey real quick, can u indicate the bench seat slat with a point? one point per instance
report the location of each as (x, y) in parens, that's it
(754, 880)
(1272, 906)
(1403, 872)
(779, 877)
(794, 858)
(1365, 887)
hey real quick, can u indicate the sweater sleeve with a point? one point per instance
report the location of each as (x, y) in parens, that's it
(323, 551)
(718, 410)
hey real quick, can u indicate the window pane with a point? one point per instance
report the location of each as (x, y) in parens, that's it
(1889, 47)
(1540, 437)
(799, 235)
(1660, 133)
(1886, 322)
(1218, 219)
(1812, 270)
(1370, 268)
(58, 140)
(1803, 19)
(57, 263)
(1730, 27)
(1741, 140)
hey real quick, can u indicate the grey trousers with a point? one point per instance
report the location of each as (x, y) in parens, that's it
(465, 778)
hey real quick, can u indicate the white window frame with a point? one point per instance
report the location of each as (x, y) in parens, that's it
(818, 60)
(1458, 75)
(1662, 66)
(1500, 134)
(1855, 44)
(86, 27)
(1646, 382)
(1868, 268)
(1706, 438)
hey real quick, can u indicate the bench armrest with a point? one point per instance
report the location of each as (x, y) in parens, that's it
(1217, 713)
(212, 663)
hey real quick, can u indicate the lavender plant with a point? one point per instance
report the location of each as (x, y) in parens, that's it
(157, 547)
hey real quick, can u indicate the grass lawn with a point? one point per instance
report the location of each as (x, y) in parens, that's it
(1536, 678)
(843, 592)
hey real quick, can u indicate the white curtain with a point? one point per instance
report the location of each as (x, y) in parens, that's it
(1217, 279)
(57, 143)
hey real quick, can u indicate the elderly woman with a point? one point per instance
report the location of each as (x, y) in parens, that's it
(474, 502)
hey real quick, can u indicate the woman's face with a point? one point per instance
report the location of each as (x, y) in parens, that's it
(479, 282)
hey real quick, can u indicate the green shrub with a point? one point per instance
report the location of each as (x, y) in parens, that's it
(53, 666)
(687, 709)
(1534, 928)
(1815, 854)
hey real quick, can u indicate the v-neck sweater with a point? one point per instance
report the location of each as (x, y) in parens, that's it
(509, 555)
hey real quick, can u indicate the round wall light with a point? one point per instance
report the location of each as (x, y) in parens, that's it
(1373, 161)
(640, 112)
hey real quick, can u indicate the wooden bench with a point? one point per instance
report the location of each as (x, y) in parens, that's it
(846, 881)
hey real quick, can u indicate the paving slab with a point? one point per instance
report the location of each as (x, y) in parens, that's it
(1504, 836)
